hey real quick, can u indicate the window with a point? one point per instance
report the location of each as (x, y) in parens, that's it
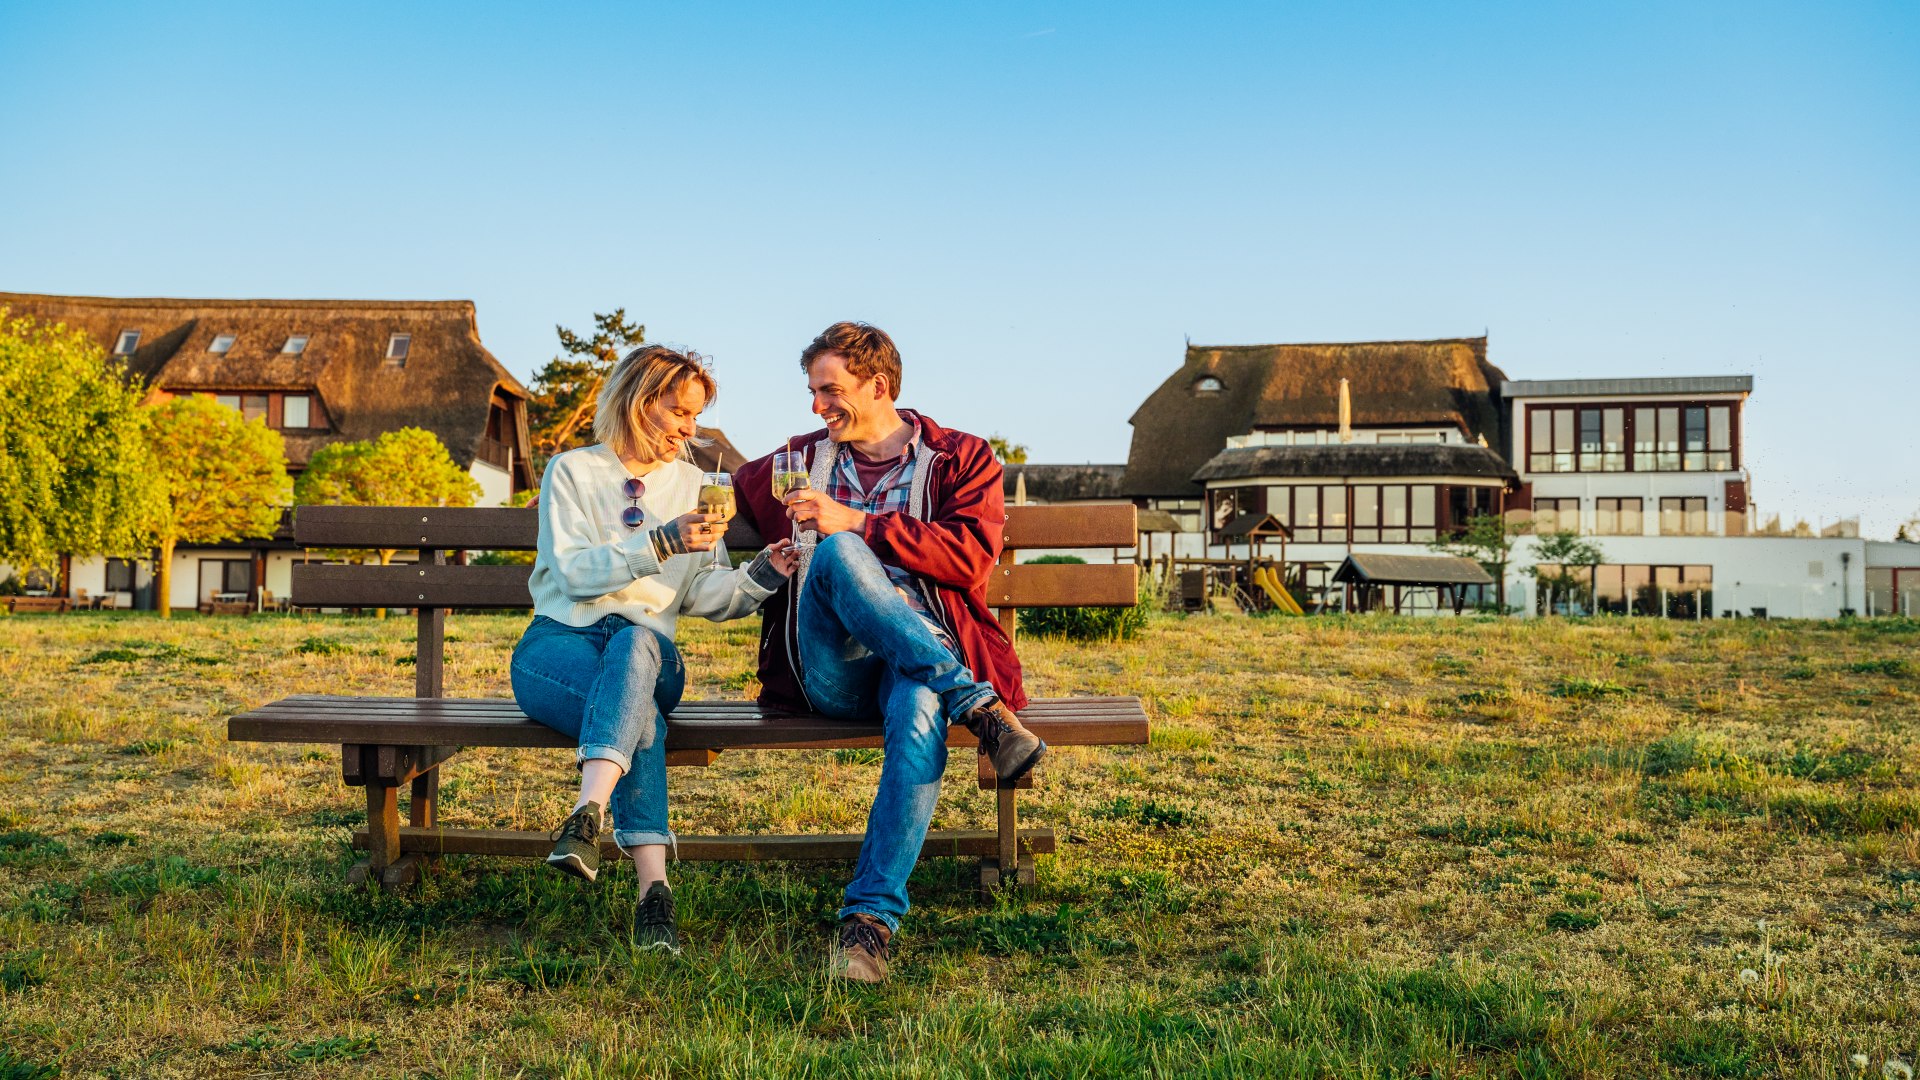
(1618, 517)
(231, 401)
(398, 344)
(1393, 514)
(1565, 438)
(1333, 512)
(296, 411)
(1683, 516)
(295, 345)
(251, 406)
(222, 344)
(1423, 525)
(1556, 515)
(1306, 514)
(1675, 592)
(129, 341)
(119, 575)
(1673, 438)
(1366, 514)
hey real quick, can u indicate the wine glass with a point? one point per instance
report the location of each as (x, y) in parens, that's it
(789, 475)
(716, 497)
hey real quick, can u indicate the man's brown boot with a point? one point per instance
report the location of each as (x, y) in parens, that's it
(1005, 741)
(859, 949)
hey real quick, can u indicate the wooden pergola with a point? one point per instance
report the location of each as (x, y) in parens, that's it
(1368, 575)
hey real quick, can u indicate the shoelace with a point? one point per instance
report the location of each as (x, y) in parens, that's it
(580, 826)
(656, 909)
(864, 934)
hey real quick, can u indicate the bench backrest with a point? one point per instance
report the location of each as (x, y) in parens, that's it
(438, 582)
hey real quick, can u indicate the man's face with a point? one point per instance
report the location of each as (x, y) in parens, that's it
(855, 409)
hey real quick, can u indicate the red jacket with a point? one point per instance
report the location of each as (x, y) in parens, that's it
(951, 544)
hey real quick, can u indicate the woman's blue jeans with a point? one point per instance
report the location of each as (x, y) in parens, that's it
(610, 686)
(865, 653)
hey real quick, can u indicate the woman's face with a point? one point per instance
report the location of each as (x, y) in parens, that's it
(674, 415)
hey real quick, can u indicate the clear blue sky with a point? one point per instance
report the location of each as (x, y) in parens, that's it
(1039, 200)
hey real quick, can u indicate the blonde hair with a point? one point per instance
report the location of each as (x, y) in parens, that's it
(639, 379)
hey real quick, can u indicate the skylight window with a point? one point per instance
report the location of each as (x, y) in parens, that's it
(129, 341)
(397, 348)
(221, 344)
(1207, 384)
(295, 345)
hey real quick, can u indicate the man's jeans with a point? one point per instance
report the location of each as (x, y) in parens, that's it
(608, 685)
(864, 652)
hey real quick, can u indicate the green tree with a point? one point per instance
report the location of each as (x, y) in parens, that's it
(1008, 451)
(74, 475)
(408, 467)
(222, 477)
(1488, 540)
(564, 393)
(1556, 556)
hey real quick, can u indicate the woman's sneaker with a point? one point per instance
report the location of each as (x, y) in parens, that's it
(576, 848)
(653, 928)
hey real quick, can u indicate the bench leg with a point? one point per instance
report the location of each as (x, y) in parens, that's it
(1010, 867)
(423, 809)
(383, 833)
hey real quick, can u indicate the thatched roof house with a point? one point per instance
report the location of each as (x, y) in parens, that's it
(1357, 462)
(321, 371)
(1064, 483)
(1226, 390)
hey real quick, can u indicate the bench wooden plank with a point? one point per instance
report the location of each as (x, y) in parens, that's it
(425, 585)
(347, 720)
(805, 846)
(512, 529)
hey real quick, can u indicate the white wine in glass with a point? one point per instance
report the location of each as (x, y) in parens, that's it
(789, 475)
(716, 497)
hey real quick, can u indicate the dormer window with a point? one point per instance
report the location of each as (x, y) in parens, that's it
(129, 341)
(1207, 384)
(397, 347)
(222, 344)
(295, 345)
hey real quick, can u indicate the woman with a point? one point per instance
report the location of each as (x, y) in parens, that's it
(623, 553)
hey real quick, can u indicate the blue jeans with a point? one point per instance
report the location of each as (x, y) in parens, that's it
(610, 686)
(865, 653)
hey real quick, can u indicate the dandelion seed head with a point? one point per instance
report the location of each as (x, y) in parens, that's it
(1749, 976)
(1895, 1069)
(1859, 1061)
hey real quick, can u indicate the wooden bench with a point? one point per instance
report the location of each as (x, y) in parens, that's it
(387, 743)
(22, 605)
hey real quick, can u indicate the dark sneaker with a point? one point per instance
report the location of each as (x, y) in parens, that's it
(653, 928)
(1005, 741)
(576, 848)
(859, 950)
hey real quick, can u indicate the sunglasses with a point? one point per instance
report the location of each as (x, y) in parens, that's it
(633, 516)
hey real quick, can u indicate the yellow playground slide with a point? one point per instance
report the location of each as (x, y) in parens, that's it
(1269, 581)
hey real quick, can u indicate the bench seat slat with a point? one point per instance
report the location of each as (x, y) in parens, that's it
(702, 725)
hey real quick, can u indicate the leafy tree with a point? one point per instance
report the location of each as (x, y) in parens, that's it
(1008, 451)
(1558, 553)
(74, 475)
(1909, 530)
(560, 412)
(1488, 540)
(408, 467)
(222, 477)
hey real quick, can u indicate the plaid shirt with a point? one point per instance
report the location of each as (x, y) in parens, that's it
(891, 494)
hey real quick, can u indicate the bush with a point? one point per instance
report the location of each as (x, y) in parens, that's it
(1084, 623)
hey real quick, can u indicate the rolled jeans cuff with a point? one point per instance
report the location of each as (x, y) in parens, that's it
(892, 921)
(625, 839)
(604, 753)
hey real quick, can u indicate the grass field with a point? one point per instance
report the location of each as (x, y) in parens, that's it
(1366, 847)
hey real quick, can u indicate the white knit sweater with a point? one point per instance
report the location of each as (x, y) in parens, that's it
(590, 565)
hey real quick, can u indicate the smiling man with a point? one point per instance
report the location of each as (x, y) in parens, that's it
(887, 616)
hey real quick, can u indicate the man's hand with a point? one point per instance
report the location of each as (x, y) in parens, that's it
(784, 556)
(811, 509)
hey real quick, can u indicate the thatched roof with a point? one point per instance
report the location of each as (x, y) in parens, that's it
(1367, 568)
(446, 385)
(1066, 483)
(1392, 383)
(1356, 459)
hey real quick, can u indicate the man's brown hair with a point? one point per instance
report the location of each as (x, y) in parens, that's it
(867, 349)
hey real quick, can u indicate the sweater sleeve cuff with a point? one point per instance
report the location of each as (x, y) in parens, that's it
(638, 549)
(760, 572)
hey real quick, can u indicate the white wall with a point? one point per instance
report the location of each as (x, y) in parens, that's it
(1774, 572)
(496, 485)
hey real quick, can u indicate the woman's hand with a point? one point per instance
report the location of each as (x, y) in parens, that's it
(784, 555)
(689, 532)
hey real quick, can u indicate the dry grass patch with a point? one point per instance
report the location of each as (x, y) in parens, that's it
(1353, 847)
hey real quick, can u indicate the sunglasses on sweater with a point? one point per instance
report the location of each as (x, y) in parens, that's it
(633, 516)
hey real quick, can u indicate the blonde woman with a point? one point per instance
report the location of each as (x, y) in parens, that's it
(623, 554)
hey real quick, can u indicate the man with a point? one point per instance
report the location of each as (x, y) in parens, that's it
(886, 615)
